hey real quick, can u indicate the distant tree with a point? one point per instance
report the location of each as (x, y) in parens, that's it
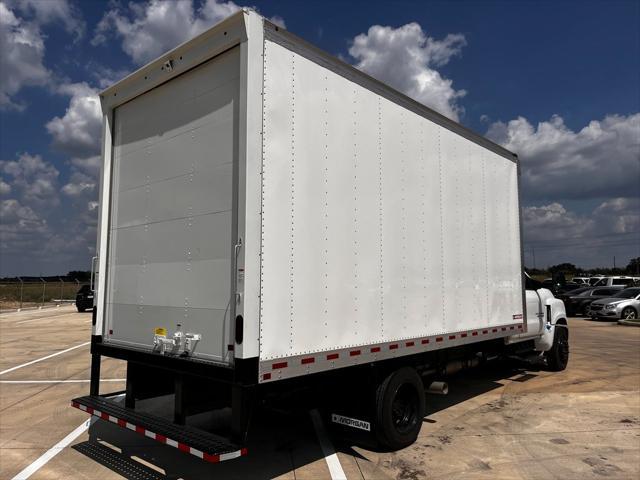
(563, 268)
(79, 275)
(634, 266)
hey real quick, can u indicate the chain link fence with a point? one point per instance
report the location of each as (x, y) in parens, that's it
(22, 293)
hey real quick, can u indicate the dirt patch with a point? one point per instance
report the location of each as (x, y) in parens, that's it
(601, 467)
(559, 441)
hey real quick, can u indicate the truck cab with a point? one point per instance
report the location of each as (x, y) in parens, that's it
(546, 325)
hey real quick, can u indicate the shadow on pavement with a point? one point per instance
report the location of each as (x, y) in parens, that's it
(278, 444)
(476, 381)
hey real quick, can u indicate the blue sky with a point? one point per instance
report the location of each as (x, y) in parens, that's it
(557, 82)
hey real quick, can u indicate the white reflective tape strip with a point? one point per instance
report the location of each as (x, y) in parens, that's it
(53, 451)
(113, 419)
(333, 463)
(173, 443)
(195, 452)
(131, 426)
(43, 358)
(230, 455)
(149, 434)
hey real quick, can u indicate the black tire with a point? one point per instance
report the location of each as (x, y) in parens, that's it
(400, 407)
(558, 355)
(81, 309)
(629, 313)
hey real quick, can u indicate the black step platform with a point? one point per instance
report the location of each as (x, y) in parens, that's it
(205, 445)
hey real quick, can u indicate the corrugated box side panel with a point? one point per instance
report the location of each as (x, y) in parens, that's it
(378, 224)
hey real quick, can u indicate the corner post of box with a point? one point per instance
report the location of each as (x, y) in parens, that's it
(249, 189)
(104, 202)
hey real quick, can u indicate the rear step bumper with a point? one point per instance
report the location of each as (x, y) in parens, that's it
(204, 445)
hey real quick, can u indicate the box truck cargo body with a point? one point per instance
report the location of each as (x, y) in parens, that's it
(287, 215)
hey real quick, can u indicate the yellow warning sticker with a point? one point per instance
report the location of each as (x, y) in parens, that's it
(161, 331)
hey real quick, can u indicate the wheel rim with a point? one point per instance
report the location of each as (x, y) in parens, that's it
(629, 314)
(404, 409)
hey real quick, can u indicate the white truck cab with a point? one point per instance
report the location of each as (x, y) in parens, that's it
(546, 325)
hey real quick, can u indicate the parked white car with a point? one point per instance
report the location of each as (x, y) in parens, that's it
(617, 280)
(623, 305)
(580, 280)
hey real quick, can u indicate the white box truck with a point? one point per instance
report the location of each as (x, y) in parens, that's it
(272, 218)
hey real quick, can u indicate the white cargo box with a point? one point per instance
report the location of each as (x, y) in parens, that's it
(286, 206)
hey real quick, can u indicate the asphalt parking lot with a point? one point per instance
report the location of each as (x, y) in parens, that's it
(497, 422)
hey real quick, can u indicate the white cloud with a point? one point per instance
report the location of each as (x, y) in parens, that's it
(21, 60)
(150, 29)
(5, 188)
(44, 12)
(405, 58)
(33, 178)
(588, 239)
(601, 160)
(79, 184)
(553, 222)
(78, 131)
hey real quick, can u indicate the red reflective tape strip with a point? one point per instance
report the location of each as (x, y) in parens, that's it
(494, 330)
(484, 332)
(375, 349)
(439, 339)
(266, 376)
(474, 334)
(511, 327)
(504, 329)
(276, 366)
(160, 438)
(393, 346)
(305, 361)
(333, 356)
(452, 337)
(353, 353)
(463, 335)
(425, 341)
(207, 457)
(410, 344)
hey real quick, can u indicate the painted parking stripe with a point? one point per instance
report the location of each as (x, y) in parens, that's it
(330, 456)
(43, 358)
(58, 447)
(55, 450)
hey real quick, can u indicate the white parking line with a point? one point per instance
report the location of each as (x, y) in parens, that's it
(53, 451)
(63, 381)
(57, 448)
(43, 358)
(333, 462)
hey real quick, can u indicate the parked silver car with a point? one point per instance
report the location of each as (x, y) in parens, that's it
(625, 305)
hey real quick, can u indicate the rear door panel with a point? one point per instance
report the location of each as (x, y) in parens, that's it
(171, 233)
